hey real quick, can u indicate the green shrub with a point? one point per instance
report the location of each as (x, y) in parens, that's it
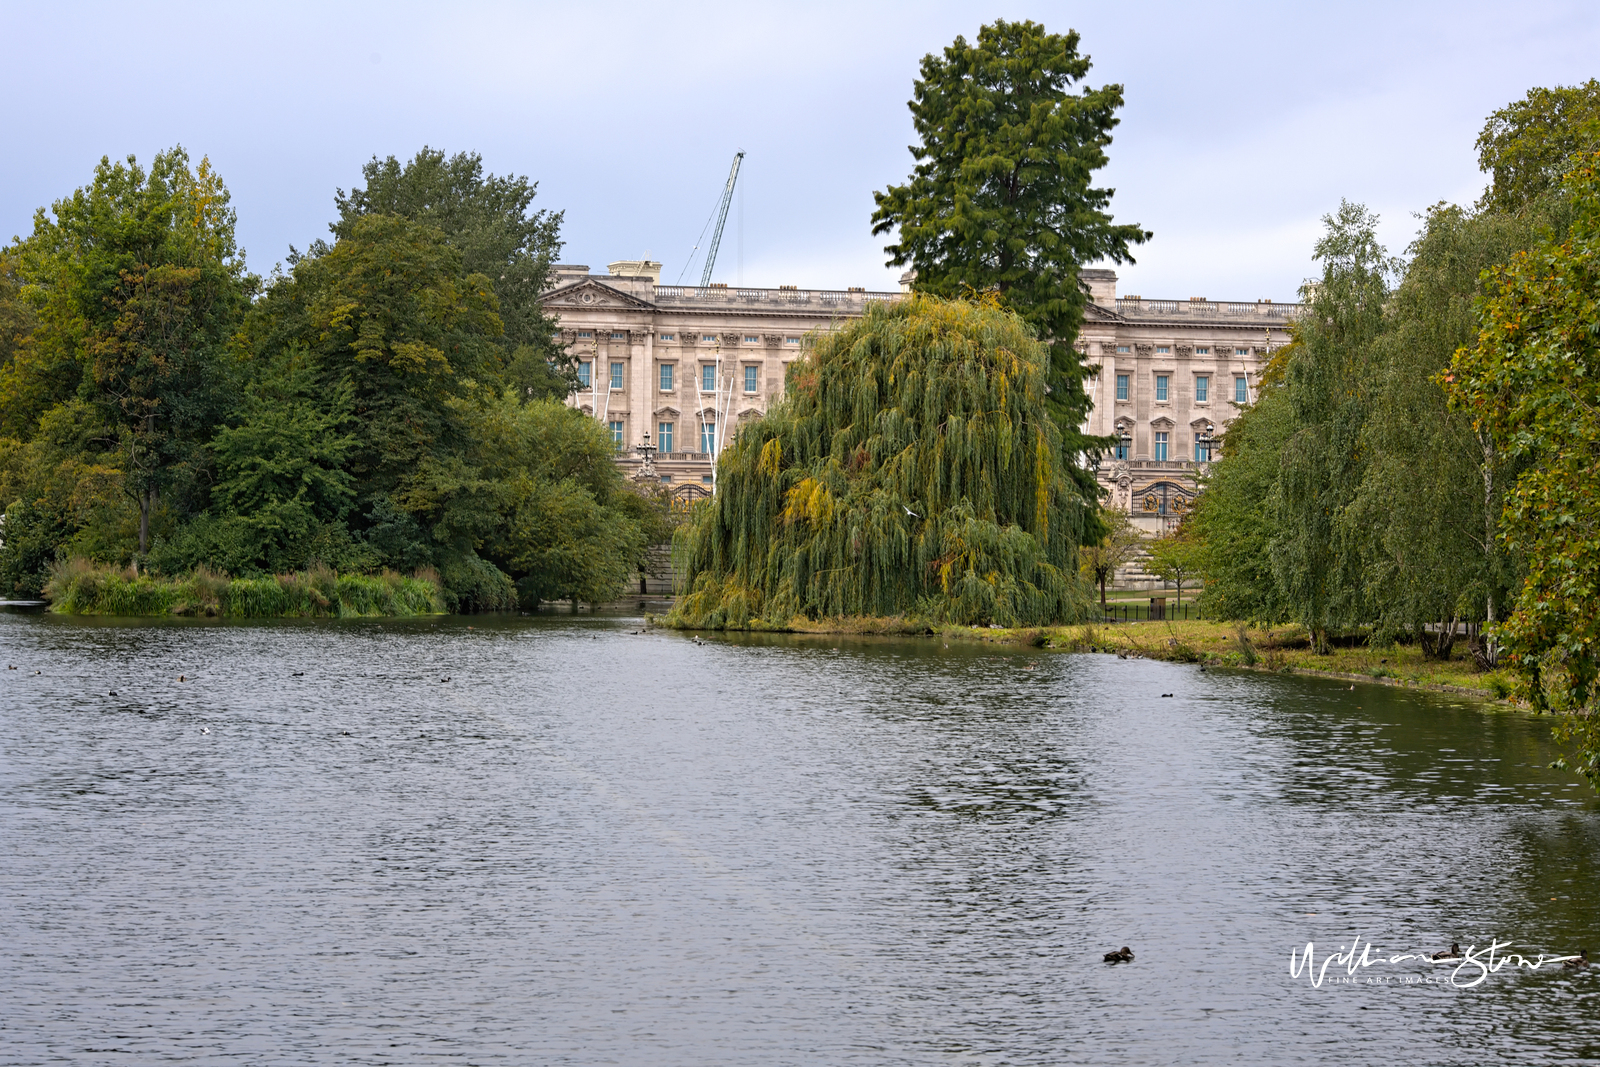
(80, 587)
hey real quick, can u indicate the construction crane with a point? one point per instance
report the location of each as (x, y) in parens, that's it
(722, 217)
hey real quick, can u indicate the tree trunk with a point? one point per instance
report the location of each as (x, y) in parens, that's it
(1490, 655)
(1102, 594)
(147, 500)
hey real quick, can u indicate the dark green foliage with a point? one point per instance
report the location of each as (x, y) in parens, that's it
(368, 411)
(1234, 519)
(487, 219)
(136, 287)
(1531, 382)
(1429, 504)
(1315, 554)
(911, 467)
(1001, 199)
(1527, 146)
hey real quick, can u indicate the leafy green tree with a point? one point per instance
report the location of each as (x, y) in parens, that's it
(1315, 558)
(911, 467)
(1428, 509)
(1532, 382)
(1528, 145)
(137, 286)
(488, 220)
(1001, 198)
(1235, 519)
(538, 495)
(389, 318)
(1176, 557)
(1100, 561)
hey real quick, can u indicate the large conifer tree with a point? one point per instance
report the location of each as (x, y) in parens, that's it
(1001, 199)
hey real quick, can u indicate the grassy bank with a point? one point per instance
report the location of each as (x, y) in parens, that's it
(82, 588)
(1282, 648)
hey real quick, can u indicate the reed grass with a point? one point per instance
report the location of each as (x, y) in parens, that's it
(81, 587)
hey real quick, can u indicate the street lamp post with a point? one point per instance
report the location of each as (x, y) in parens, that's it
(647, 453)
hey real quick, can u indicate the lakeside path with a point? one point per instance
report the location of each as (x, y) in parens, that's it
(1277, 649)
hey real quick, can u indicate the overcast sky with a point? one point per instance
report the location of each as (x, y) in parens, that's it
(1244, 123)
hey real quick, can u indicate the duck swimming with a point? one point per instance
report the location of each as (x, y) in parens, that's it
(1453, 954)
(1581, 961)
(1122, 955)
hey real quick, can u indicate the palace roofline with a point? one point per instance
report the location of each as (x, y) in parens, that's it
(642, 293)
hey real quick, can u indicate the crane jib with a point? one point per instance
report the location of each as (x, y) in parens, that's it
(722, 217)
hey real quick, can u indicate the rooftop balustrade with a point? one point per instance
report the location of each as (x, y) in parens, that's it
(1135, 307)
(718, 295)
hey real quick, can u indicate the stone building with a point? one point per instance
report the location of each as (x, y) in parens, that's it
(1170, 376)
(687, 365)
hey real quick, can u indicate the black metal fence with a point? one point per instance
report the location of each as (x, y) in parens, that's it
(1157, 609)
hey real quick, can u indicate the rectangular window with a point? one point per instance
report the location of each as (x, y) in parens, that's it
(584, 372)
(751, 340)
(1241, 351)
(708, 378)
(666, 479)
(1122, 387)
(585, 333)
(791, 340)
(1161, 444)
(666, 377)
(618, 335)
(668, 337)
(1241, 391)
(708, 436)
(1202, 385)
(750, 374)
(1161, 387)
(664, 436)
(1163, 350)
(1122, 350)
(707, 338)
(1202, 452)
(1202, 351)
(616, 376)
(616, 434)
(706, 478)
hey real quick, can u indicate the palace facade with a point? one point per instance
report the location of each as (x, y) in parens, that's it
(687, 366)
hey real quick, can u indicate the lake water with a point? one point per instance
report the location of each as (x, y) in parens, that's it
(591, 846)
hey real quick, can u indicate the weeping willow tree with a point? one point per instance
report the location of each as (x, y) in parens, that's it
(911, 469)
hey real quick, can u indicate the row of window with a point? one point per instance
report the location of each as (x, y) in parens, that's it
(1166, 350)
(664, 435)
(705, 338)
(708, 377)
(1202, 450)
(1202, 388)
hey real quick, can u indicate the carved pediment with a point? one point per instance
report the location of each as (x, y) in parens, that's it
(668, 410)
(1163, 423)
(1096, 313)
(750, 413)
(592, 294)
